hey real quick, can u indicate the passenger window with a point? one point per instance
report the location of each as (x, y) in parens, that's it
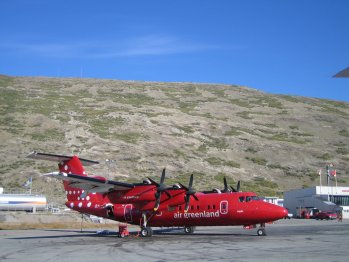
(241, 199)
(214, 206)
(248, 199)
(208, 207)
(197, 207)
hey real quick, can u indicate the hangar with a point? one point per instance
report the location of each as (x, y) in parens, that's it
(324, 198)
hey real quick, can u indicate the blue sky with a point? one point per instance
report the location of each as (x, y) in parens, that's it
(278, 46)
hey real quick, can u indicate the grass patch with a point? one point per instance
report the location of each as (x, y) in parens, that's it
(187, 107)
(134, 99)
(251, 150)
(258, 160)
(241, 103)
(261, 187)
(215, 161)
(131, 138)
(342, 151)
(244, 115)
(270, 125)
(232, 132)
(102, 127)
(220, 143)
(269, 102)
(49, 134)
(329, 109)
(325, 156)
(344, 132)
(285, 137)
(203, 148)
(218, 92)
(186, 129)
(6, 81)
(220, 177)
(294, 127)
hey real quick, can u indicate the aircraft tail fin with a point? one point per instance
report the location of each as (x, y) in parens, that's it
(67, 165)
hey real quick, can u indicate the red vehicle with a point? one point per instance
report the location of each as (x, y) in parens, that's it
(325, 215)
(154, 204)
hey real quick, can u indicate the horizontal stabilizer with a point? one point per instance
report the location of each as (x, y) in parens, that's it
(90, 184)
(58, 158)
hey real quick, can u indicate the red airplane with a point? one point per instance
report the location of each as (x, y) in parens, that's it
(151, 204)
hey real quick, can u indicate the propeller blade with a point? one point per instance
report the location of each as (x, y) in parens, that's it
(190, 191)
(225, 184)
(183, 186)
(157, 201)
(186, 199)
(160, 188)
(168, 194)
(162, 176)
(226, 188)
(238, 186)
(191, 181)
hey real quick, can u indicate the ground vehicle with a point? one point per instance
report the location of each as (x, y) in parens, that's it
(325, 215)
(289, 216)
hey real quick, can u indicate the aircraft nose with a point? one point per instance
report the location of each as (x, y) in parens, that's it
(283, 212)
(278, 213)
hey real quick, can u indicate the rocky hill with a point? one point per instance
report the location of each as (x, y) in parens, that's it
(271, 142)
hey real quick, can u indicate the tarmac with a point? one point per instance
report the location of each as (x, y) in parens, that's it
(286, 240)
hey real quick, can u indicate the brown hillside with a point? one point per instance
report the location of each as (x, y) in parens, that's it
(270, 142)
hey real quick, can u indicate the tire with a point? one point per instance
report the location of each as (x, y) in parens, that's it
(145, 232)
(261, 232)
(189, 230)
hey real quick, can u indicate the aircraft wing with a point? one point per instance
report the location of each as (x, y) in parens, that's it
(90, 184)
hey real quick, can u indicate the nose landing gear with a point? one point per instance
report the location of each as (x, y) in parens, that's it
(261, 230)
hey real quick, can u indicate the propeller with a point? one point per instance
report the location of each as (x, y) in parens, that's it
(237, 187)
(160, 188)
(230, 189)
(190, 191)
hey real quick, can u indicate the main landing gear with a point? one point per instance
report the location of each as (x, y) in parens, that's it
(146, 230)
(189, 230)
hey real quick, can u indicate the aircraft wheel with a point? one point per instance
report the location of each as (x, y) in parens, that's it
(189, 230)
(261, 232)
(146, 232)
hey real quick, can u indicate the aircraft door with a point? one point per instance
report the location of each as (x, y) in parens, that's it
(223, 207)
(128, 213)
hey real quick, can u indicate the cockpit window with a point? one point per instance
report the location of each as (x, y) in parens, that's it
(248, 198)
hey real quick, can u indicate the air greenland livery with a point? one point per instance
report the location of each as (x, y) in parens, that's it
(152, 204)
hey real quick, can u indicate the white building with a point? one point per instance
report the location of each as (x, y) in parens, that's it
(274, 200)
(323, 198)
